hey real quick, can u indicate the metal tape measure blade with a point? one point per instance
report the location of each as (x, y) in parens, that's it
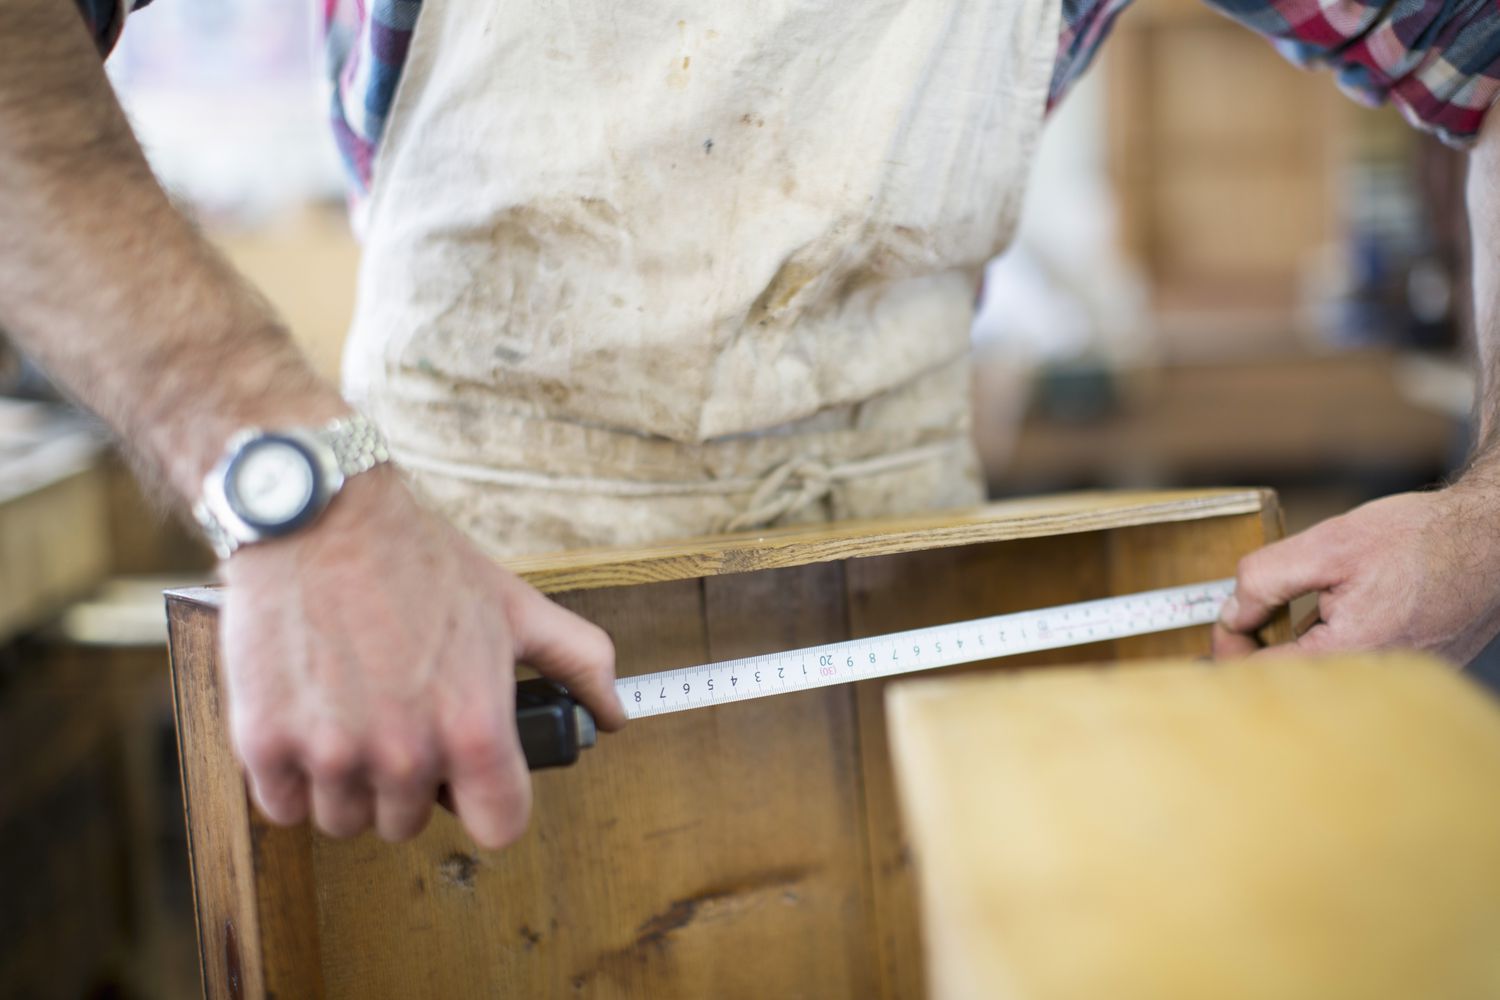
(927, 648)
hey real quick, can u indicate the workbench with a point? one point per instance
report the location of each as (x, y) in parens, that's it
(54, 534)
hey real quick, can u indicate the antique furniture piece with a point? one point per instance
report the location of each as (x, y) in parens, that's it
(746, 850)
(54, 516)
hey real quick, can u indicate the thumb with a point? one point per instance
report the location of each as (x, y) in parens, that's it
(1270, 578)
(568, 649)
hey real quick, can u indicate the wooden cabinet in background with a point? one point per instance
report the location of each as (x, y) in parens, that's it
(1225, 159)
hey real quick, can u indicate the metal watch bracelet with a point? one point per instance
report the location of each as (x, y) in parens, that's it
(349, 445)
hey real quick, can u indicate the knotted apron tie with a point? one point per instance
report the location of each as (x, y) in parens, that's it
(785, 489)
(789, 487)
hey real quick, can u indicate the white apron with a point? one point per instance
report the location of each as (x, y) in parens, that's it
(644, 270)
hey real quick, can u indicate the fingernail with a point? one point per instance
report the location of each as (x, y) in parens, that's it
(1229, 611)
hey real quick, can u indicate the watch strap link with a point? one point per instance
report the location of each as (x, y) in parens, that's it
(357, 444)
(219, 539)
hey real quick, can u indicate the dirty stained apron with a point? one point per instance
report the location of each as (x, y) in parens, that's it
(637, 271)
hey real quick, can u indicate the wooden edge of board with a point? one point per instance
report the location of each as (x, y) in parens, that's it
(802, 544)
(218, 865)
(254, 896)
(203, 597)
(1280, 628)
(798, 545)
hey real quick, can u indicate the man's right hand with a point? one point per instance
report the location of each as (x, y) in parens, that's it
(366, 659)
(369, 659)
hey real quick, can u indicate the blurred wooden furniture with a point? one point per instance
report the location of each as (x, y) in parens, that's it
(54, 538)
(1296, 418)
(64, 927)
(747, 850)
(92, 856)
(1225, 158)
(1318, 829)
(93, 864)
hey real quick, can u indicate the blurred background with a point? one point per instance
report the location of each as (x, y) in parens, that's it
(1231, 276)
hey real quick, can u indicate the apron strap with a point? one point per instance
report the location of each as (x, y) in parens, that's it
(788, 487)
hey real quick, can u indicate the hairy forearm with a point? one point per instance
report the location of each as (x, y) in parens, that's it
(1484, 225)
(107, 285)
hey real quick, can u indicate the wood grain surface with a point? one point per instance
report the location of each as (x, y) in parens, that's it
(1318, 829)
(744, 850)
(1005, 520)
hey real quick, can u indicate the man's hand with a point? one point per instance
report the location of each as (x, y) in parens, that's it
(370, 659)
(1419, 571)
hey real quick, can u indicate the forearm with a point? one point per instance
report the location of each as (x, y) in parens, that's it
(107, 285)
(1484, 225)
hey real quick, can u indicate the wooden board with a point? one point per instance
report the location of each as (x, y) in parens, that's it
(1295, 829)
(1032, 517)
(747, 850)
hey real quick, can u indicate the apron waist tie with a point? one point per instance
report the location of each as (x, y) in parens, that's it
(786, 488)
(789, 487)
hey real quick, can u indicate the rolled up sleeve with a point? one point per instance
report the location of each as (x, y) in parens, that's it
(106, 19)
(1438, 61)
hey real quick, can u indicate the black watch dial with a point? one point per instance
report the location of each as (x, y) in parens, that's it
(273, 484)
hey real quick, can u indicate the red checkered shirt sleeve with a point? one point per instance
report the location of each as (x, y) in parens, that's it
(1438, 61)
(104, 19)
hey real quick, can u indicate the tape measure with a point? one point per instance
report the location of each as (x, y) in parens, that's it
(554, 728)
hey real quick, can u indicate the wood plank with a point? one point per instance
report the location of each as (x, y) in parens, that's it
(286, 893)
(801, 544)
(783, 795)
(1318, 829)
(913, 590)
(678, 848)
(1152, 556)
(682, 840)
(253, 883)
(590, 901)
(218, 820)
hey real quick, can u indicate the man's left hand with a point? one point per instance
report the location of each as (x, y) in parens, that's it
(1417, 571)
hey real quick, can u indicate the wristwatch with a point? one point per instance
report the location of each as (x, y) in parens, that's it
(271, 483)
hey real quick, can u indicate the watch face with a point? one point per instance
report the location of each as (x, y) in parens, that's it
(272, 483)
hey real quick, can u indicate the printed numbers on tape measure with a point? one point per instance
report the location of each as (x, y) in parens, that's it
(936, 646)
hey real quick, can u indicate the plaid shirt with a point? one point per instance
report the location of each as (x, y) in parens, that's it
(1438, 61)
